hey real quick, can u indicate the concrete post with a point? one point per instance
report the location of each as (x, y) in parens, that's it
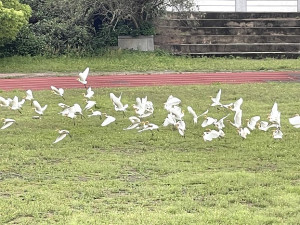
(241, 5)
(298, 5)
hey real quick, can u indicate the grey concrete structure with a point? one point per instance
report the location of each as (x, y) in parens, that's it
(142, 43)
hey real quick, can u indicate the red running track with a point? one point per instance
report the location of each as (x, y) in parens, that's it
(137, 80)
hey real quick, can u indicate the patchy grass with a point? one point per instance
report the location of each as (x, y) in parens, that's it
(120, 61)
(105, 175)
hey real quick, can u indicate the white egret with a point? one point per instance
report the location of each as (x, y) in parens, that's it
(15, 105)
(170, 120)
(96, 113)
(295, 121)
(237, 105)
(58, 91)
(89, 93)
(38, 109)
(5, 102)
(83, 76)
(212, 134)
(220, 123)
(7, 123)
(274, 116)
(29, 96)
(216, 100)
(62, 135)
(277, 134)
(208, 121)
(171, 101)
(264, 125)
(237, 119)
(180, 125)
(149, 126)
(107, 120)
(252, 122)
(243, 132)
(177, 111)
(89, 104)
(195, 116)
(135, 122)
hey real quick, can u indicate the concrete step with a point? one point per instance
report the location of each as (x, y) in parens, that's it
(291, 55)
(224, 39)
(230, 15)
(281, 22)
(236, 47)
(228, 30)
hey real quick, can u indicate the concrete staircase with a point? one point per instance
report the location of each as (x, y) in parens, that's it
(247, 34)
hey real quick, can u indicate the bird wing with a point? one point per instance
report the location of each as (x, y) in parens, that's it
(191, 111)
(237, 105)
(238, 118)
(7, 123)
(54, 89)
(37, 105)
(60, 137)
(108, 120)
(84, 74)
(294, 120)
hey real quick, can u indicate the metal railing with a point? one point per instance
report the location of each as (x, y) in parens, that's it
(246, 6)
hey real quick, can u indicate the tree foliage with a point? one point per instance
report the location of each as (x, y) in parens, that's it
(13, 16)
(84, 26)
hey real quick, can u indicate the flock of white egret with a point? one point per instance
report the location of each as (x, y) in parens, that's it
(145, 108)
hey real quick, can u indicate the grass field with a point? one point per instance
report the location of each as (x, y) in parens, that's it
(105, 175)
(131, 61)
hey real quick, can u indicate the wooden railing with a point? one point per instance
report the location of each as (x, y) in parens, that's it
(246, 6)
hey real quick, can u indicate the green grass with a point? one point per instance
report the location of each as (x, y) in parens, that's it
(104, 175)
(119, 61)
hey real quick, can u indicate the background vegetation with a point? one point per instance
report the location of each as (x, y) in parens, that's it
(83, 26)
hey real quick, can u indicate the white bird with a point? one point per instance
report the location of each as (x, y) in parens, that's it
(243, 132)
(16, 105)
(252, 122)
(62, 135)
(274, 116)
(237, 119)
(169, 120)
(117, 103)
(83, 76)
(143, 107)
(96, 113)
(295, 121)
(212, 134)
(7, 123)
(89, 104)
(107, 120)
(264, 125)
(237, 105)
(58, 91)
(208, 121)
(72, 112)
(220, 123)
(195, 116)
(180, 125)
(63, 105)
(277, 134)
(5, 102)
(38, 109)
(135, 122)
(171, 101)
(177, 111)
(29, 95)
(89, 93)
(216, 100)
(149, 126)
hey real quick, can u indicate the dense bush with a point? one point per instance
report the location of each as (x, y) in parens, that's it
(83, 26)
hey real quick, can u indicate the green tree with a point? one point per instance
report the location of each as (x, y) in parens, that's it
(13, 16)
